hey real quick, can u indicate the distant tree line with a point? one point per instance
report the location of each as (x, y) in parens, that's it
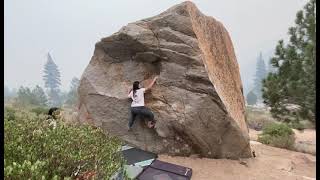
(50, 96)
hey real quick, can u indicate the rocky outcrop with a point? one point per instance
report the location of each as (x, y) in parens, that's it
(197, 99)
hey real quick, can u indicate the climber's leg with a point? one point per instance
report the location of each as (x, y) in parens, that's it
(132, 116)
(147, 113)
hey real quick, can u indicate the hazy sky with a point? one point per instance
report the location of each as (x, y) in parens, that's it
(69, 29)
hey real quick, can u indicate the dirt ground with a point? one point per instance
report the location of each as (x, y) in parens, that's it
(305, 140)
(270, 163)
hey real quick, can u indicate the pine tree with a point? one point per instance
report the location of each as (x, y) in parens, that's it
(35, 97)
(293, 84)
(261, 73)
(39, 96)
(271, 69)
(52, 81)
(25, 96)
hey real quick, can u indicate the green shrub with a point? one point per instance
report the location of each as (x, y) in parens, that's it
(36, 148)
(40, 110)
(9, 113)
(278, 135)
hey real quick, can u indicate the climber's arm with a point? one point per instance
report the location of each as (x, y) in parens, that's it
(151, 84)
(130, 93)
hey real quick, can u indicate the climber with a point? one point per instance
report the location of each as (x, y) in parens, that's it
(137, 106)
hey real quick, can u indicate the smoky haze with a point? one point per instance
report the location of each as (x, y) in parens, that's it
(70, 29)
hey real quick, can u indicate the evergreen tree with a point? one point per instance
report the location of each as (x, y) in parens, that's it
(271, 69)
(294, 81)
(52, 81)
(64, 96)
(73, 93)
(54, 97)
(251, 98)
(39, 96)
(35, 97)
(74, 83)
(25, 96)
(261, 73)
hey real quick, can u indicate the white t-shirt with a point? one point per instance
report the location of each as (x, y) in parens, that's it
(138, 98)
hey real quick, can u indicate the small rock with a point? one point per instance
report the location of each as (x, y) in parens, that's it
(243, 163)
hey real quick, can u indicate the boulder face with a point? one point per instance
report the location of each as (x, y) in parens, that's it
(197, 100)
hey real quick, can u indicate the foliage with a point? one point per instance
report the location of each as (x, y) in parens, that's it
(35, 97)
(296, 125)
(73, 92)
(52, 81)
(261, 73)
(9, 113)
(270, 69)
(54, 97)
(294, 82)
(40, 96)
(258, 118)
(40, 148)
(25, 96)
(251, 98)
(278, 135)
(40, 110)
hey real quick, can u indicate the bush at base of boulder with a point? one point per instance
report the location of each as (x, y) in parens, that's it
(277, 135)
(36, 148)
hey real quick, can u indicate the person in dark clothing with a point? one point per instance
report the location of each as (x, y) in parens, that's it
(52, 111)
(137, 105)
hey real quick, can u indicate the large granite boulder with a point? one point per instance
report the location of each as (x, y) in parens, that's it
(197, 100)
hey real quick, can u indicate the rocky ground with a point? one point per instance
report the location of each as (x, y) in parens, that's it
(269, 163)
